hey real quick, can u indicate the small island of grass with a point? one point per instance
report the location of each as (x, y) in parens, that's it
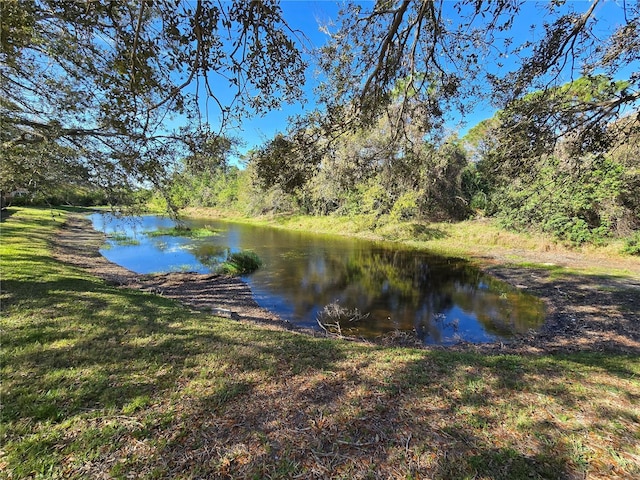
(241, 263)
(182, 231)
(121, 238)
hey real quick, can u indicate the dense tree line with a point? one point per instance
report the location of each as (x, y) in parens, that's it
(515, 168)
(545, 163)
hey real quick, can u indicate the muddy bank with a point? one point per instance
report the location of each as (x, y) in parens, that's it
(583, 312)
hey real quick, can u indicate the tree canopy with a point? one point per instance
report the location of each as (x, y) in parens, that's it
(117, 92)
(122, 84)
(411, 50)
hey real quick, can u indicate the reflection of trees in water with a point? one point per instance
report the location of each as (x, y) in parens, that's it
(210, 255)
(407, 291)
(436, 297)
(430, 319)
(501, 309)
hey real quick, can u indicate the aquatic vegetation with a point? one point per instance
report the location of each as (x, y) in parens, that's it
(181, 231)
(241, 263)
(121, 238)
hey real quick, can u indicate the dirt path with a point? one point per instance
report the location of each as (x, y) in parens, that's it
(584, 312)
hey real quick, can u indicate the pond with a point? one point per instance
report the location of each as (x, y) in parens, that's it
(379, 288)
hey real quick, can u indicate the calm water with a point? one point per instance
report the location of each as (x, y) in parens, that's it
(443, 300)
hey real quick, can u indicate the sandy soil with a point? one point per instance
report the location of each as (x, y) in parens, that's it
(584, 312)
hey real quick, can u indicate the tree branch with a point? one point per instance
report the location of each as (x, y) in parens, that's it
(386, 44)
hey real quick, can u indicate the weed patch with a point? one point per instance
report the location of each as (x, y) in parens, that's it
(241, 263)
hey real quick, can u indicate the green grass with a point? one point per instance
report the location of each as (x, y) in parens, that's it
(121, 238)
(100, 381)
(179, 231)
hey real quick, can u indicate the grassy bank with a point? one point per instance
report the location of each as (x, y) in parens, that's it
(106, 382)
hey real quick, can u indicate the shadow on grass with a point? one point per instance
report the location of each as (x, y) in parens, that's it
(96, 346)
(425, 233)
(7, 213)
(440, 416)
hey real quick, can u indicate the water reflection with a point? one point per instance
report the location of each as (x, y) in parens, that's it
(442, 300)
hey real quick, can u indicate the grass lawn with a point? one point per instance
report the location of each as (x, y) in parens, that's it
(101, 382)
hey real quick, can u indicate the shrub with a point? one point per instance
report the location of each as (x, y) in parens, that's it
(632, 244)
(406, 207)
(574, 205)
(241, 263)
(375, 198)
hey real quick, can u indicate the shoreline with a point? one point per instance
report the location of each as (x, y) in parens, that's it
(78, 243)
(584, 313)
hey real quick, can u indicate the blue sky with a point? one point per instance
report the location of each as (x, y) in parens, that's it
(308, 15)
